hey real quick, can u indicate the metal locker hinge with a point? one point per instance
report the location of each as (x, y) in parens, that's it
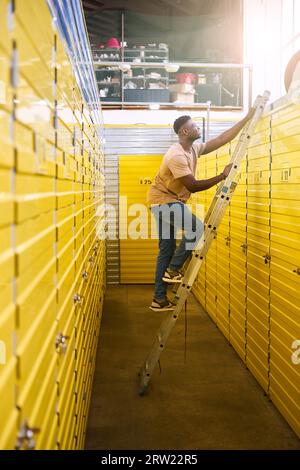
(267, 258)
(25, 437)
(14, 67)
(55, 116)
(10, 15)
(61, 343)
(297, 271)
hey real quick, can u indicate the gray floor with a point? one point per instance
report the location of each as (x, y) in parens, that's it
(209, 401)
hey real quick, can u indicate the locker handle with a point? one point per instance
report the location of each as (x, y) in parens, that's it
(77, 298)
(297, 271)
(244, 247)
(25, 437)
(267, 258)
(227, 240)
(61, 343)
(85, 275)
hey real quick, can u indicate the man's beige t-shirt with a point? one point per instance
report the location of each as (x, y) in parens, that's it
(176, 163)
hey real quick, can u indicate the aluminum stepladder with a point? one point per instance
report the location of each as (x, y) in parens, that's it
(212, 220)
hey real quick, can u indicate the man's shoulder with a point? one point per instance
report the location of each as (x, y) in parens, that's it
(198, 147)
(174, 150)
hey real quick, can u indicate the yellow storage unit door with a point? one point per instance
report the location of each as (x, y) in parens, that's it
(285, 265)
(137, 256)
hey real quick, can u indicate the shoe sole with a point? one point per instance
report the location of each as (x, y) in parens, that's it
(171, 281)
(163, 309)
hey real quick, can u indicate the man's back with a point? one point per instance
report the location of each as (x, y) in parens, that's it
(176, 163)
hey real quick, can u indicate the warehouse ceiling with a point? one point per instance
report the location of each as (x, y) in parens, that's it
(101, 15)
(161, 7)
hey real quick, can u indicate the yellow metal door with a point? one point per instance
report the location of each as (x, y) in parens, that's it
(223, 251)
(211, 258)
(285, 265)
(258, 252)
(199, 286)
(238, 251)
(137, 256)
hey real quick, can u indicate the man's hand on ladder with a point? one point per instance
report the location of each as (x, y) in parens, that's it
(226, 170)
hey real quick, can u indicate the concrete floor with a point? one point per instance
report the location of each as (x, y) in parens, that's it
(211, 401)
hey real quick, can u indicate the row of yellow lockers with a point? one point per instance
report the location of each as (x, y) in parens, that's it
(250, 283)
(52, 262)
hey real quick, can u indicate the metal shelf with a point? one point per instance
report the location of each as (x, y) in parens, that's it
(108, 83)
(146, 78)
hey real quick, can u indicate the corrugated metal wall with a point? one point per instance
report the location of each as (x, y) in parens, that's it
(112, 217)
(135, 140)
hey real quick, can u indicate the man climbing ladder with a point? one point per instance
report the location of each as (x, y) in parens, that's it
(173, 185)
(200, 241)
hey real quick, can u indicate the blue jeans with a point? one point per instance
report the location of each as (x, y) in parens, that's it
(169, 218)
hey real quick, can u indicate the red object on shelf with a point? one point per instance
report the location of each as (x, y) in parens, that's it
(113, 43)
(185, 77)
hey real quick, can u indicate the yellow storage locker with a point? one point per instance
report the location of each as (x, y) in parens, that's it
(35, 13)
(9, 414)
(66, 373)
(200, 198)
(6, 89)
(7, 196)
(223, 252)
(35, 69)
(5, 18)
(211, 258)
(6, 139)
(285, 265)
(8, 365)
(258, 254)
(238, 252)
(35, 332)
(137, 256)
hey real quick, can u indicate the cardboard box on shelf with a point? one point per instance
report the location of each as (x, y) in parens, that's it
(182, 88)
(188, 98)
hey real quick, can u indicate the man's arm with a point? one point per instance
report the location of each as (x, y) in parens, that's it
(228, 135)
(194, 185)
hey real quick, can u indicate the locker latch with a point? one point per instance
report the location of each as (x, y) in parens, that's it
(61, 343)
(227, 240)
(297, 271)
(25, 437)
(285, 174)
(267, 258)
(77, 298)
(244, 247)
(85, 275)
